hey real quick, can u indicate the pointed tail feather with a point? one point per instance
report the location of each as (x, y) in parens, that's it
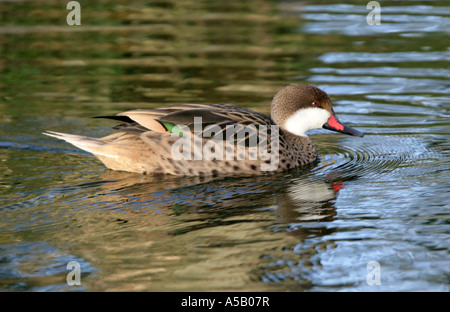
(91, 145)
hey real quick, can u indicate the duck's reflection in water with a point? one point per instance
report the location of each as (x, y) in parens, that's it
(295, 198)
(230, 230)
(305, 201)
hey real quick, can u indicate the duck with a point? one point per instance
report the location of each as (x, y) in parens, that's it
(216, 139)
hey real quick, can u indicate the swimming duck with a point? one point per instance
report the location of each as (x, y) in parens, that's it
(196, 140)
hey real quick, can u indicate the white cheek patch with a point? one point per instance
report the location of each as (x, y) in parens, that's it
(306, 119)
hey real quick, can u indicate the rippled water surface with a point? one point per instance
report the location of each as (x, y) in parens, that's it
(383, 197)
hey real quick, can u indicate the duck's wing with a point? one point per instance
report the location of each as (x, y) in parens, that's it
(195, 118)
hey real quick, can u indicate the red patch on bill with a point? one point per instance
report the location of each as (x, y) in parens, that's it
(335, 124)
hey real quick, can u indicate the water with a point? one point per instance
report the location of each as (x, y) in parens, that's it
(383, 197)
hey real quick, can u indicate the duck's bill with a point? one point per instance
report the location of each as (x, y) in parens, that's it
(334, 124)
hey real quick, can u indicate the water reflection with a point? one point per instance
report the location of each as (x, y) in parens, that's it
(296, 198)
(223, 220)
(367, 57)
(183, 230)
(37, 266)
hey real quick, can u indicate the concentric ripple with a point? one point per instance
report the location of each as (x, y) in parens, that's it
(378, 155)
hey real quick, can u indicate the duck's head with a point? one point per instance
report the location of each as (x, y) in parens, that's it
(299, 108)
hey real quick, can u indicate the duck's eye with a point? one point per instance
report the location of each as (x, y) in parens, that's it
(315, 104)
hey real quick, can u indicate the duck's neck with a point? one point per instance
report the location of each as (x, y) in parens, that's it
(301, 147)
